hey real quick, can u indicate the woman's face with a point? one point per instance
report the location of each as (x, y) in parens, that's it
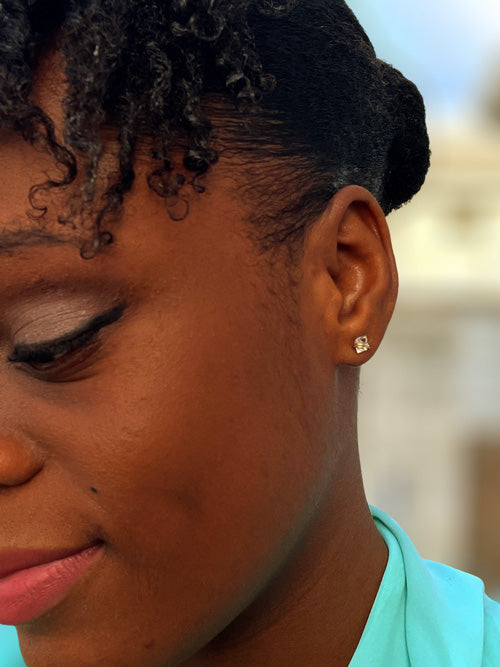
(181, 437)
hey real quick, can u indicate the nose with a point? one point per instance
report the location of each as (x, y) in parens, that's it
(19, 462)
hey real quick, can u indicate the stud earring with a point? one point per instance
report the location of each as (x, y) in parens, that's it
(361, 344)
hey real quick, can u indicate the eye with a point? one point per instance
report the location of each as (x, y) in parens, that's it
(53, 354)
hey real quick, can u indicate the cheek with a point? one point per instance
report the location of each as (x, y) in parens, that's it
(204, 464)
(209, 433)
(206, 440)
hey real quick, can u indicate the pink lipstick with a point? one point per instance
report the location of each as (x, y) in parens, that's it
(32, 582)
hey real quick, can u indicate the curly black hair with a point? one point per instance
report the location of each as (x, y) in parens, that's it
(298, 81)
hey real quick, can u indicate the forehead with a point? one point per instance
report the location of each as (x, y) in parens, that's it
(215, 222)
(29, 217)
(24, 166)
(33, 214)
(216, 217)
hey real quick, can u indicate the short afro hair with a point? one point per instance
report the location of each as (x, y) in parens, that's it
(299, 79)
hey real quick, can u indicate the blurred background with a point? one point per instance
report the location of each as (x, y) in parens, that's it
(430, 399)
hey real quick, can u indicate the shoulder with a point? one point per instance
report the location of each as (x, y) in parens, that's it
(491, 653)
(449, 619)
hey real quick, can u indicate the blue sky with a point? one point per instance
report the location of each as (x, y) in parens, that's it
(447, 47)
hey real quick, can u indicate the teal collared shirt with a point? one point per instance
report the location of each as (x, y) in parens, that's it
(10, 656)
(425, 615)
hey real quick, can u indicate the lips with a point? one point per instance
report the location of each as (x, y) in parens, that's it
(21, 559)
(32, 582)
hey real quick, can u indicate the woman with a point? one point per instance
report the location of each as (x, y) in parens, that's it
(195, 263)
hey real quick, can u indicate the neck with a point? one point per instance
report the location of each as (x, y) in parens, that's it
(316, 609)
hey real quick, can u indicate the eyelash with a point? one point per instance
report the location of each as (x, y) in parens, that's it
(52, 352)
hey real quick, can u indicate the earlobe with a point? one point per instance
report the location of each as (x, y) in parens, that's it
(351, 245)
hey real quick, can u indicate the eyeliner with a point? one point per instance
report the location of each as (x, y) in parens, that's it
(47, 351)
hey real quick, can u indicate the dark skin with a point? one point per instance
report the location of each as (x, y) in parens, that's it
(208, 436)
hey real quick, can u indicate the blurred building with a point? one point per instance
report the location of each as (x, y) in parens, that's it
(430, 399)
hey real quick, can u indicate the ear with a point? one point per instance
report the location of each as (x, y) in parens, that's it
(349, 259)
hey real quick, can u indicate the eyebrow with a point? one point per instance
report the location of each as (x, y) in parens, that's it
(13, 239)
